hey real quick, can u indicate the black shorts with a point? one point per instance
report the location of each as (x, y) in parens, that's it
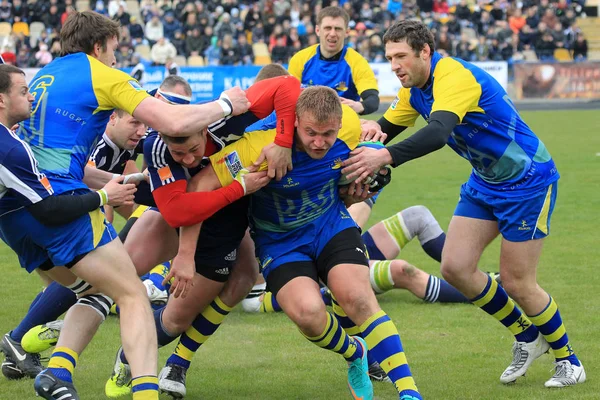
(346, 247)
(219, 239)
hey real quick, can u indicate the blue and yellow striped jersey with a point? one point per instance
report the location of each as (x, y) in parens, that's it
(306, 192)
(505, 153)
(74, 97)
(349, 76)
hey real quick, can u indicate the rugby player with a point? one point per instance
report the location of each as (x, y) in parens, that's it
(511, 191)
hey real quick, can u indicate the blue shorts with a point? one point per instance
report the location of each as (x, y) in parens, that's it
(301, 244)
(36, 243)
(519, 218)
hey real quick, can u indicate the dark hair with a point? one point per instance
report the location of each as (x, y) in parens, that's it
(5, 76)
(270, 71)
(333, 12)
(415, 33)
(172, 81)
(83, 30)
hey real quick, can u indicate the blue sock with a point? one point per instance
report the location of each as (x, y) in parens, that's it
(51, 304)
(372, 249)
(434, 247)
(440, 291)
(34, 302)
(163, 337)
(326, 295)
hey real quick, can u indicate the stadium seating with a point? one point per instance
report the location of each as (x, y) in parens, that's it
(5, 28)
(195, 61)
(180, 60)
(562, 55)
(143, 50)
(21, 27)
(82, 5)
(262, 60)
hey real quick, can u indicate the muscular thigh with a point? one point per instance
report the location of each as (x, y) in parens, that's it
(151, 241)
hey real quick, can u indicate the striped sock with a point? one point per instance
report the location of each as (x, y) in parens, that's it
(62, 363)
(145, 387)
(440, 291)
(494, 301)
(380, 273)
(395, 226)
(335, 339)
(551, 326)
(349, 326)
(201, 330)
(270, 304)
(383, 341)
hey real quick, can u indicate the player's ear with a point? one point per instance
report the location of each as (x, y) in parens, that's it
(426, 52)
(296, 123)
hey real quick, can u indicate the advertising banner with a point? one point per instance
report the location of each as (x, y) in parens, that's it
(558, 81)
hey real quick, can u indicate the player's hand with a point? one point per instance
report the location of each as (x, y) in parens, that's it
(183, 268)
(119, 193)
(371, 131)
(279, 160)
(135, 178)
(365, 161)
(355, 105)
(252, 180)
(355, 193)
(238, 99)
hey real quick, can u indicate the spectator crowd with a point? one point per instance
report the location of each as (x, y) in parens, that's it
(226, 32)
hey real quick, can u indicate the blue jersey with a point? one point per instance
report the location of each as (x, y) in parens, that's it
(264, 124)
(349, 75)
(74, 97)
(306, 193)
(21, 183)
(505, 154)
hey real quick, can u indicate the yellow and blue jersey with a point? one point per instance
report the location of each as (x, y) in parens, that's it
(506, 155)
(306, 193)
(350, 76)
(74, 97)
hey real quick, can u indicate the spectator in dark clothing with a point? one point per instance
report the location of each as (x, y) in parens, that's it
(444, 43)
(5, 11)
(246, 54)
(528, 37)
(580, 48)
(179, 42)
(484, 23)
(464, 49)
(136, 31)
(21, 10)
(196, 44)
(532, 17)
(281, 52)
(52, 18)
(453, 25)
(545, 47)
(170, 25)
(229, 55)
(122, 16)
(462, 11)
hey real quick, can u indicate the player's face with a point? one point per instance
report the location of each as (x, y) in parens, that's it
(190, 153)
(128, 131)
(316, 138)
(107, 56)
(18, 100)
(332, 33)
(411, 69)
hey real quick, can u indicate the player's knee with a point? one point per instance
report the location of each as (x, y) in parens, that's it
(517, 287)
(306, 313)
(358, 304)
(451, 269)
(421, 223)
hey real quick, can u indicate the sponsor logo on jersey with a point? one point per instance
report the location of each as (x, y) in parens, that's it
(231, 256)
(337, 163)
(395, 103)
(341, 87)
(234, 164)
(46, 184)
(135, 85)
(165, 173)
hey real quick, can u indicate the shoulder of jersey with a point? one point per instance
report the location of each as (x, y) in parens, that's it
(307, 52)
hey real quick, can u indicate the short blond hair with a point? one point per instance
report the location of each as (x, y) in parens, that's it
(322, 102)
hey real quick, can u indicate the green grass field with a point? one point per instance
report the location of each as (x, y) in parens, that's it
(455, 352)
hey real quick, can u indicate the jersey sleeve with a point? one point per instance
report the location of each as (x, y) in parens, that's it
(362, 74)
(401, 112)
(350, 130)
(161, 167)
(19, 172)
(280, 95)
(231, 159)
(115, 88)
(296, 65)
(455, 89)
